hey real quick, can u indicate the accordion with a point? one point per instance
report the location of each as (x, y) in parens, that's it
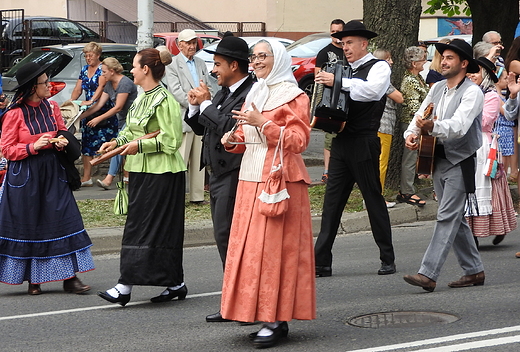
(329, 105)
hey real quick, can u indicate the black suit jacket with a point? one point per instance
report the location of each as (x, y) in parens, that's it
(213, 123)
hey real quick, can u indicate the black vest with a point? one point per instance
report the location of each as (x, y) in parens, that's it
(364, 117)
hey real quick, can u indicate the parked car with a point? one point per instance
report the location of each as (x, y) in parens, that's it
(45, 31)
(251, 41)
(66, 63)
(303, 53)
(431, 42)
(169, 40)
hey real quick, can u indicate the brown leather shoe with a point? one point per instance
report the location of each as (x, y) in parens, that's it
(34, 289)
(421, 281)
(74, 285)
(469, 280)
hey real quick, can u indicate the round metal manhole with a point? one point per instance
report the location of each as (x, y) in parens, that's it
(401, 319)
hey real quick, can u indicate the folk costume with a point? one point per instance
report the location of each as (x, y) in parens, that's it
(269, 273)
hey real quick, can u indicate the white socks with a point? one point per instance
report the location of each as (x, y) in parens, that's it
(268, 328)
(120, 289)
(172, 288)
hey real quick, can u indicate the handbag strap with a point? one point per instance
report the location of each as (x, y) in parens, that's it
(279, 148)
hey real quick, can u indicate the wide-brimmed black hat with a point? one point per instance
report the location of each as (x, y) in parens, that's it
(489, 67)
(463, 49)
(29, 71)
(355, 28)
(233, 47)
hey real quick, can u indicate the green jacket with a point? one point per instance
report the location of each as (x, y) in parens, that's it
(154, 110)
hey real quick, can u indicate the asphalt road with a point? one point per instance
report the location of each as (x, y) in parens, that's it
(56, 321)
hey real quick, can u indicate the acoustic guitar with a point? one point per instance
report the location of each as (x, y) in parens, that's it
(426, 146)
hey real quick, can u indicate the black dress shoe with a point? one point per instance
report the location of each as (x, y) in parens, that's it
(498, 239)
(180, 293)
(269, 341)
(386, 269)
(121, 299)
(216, 318)
(322, 271)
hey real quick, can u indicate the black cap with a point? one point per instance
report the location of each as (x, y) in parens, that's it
(463, 49)
(489, 67)
(233, 47)
(356, 29)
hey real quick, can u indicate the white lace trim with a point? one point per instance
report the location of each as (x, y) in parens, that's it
(280, 94)
(274, 198)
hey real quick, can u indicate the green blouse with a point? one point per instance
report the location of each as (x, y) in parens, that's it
(154, 110)
(414, 90)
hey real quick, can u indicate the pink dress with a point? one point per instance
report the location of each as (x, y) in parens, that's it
(269, 274)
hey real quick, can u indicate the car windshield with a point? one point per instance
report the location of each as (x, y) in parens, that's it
(205, 55)
(57, 60)
(308, 47)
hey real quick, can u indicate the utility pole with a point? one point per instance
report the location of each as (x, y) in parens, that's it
(144, 24)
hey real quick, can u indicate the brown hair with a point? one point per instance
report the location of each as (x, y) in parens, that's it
(155, 60)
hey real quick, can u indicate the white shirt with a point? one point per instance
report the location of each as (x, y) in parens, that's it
(373, 89)
(458, 125)
(193, 109)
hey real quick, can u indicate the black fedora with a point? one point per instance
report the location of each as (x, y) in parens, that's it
(233, 47)
(355, 28)
(463, 49)
(28, 72)
(490, 67)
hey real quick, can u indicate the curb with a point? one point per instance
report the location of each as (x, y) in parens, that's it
(107, 240)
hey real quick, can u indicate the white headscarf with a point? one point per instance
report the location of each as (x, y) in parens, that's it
(281, 72)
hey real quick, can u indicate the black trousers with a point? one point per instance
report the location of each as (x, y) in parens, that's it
(223, 189)
(354, 160)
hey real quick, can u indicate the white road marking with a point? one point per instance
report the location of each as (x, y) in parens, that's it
(475, 344)
(112, 305)
(446, 339)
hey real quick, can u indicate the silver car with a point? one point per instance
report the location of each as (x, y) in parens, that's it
(66, 63)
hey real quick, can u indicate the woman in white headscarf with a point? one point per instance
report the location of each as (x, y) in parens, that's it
(269, 274)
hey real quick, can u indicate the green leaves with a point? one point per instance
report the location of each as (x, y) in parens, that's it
(448, 7)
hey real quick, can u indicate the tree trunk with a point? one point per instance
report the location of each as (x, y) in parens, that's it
(492, 15)
(397, 23)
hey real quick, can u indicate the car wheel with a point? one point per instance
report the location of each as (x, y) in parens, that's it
(307, 85)
(15, 60)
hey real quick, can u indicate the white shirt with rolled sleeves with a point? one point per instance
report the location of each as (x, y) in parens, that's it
(511, 108)
(373, 89)
(458, 125)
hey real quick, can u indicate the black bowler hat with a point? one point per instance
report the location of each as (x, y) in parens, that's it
(233, 47)
(29, 71)
(463, 49)
(489, 67)
(356, 29)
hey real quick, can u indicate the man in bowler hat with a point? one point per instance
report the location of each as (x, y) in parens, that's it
(213, 118)
(354, 154)
(458, 105)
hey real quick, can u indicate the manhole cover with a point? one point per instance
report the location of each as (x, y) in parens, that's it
(401, 319)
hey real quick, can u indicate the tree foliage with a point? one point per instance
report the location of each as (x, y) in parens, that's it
(448, 7)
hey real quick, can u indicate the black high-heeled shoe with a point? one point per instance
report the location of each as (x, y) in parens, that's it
(180, 293)
(121, 299)
(269, 341)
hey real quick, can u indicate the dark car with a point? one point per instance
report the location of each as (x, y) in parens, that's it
(303, 53)
(44, 31)
(66, 63)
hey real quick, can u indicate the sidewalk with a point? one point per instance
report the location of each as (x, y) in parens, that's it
(108, 239)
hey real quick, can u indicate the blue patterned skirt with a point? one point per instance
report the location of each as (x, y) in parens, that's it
(42, 236)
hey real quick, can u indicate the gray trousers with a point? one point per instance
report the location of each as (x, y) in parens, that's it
(451, 228)
(408, 163)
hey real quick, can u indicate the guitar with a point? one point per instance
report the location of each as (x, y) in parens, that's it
(426, 146)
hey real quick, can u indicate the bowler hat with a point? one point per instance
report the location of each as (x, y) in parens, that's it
(233, 47)
(355, 28)
(489, 67)
(463, 49)
(29, 71)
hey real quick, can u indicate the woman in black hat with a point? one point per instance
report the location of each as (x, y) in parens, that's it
(43, 237)
(496, 214)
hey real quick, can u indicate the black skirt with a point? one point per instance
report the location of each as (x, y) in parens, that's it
(153, 238)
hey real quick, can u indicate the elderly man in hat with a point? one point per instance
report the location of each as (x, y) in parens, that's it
(213, 118)
(354, 155)
(185, 73)
(458, 105)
